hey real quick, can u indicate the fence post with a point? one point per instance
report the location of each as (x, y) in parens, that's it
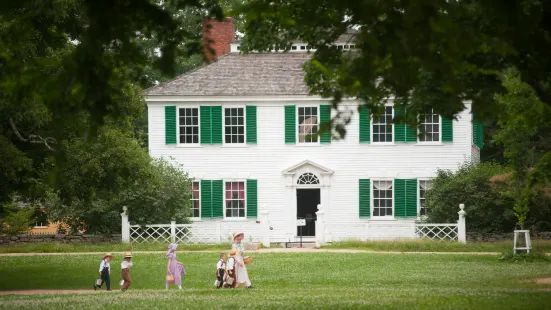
(264, 228)
(173, 231)
(320, 227)
(125, 233)
(461, 226)
(218, 232)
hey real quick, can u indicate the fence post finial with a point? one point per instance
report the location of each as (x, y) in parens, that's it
(125, 227)
(461, 225)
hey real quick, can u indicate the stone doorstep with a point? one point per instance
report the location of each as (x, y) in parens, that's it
(307, 245)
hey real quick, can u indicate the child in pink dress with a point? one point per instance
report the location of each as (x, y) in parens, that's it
(174, 267)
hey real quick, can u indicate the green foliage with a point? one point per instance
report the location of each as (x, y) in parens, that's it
(488, 210)
(524, 123)
(100, 178)
(427, 54)
(14, 219)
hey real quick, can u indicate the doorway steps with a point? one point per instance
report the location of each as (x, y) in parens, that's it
(305, 244)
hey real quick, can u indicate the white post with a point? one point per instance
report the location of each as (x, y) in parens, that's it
(461, 226)
(264, 228)
(173, 231)
(320, 227)
(218, 237)
(125, 233)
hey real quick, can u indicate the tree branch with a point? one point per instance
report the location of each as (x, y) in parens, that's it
(35, 139)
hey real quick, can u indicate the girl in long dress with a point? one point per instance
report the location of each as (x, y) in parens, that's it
(174, 267)
(242, 276)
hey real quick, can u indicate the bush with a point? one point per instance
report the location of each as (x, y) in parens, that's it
(488, 210)
(15, 220)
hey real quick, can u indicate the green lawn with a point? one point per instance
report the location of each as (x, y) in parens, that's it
(420, 245)
(288, 280)
(50, 247)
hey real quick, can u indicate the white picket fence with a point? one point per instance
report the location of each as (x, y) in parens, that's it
(219, 231)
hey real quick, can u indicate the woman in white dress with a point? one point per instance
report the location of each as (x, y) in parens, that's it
(241, 274)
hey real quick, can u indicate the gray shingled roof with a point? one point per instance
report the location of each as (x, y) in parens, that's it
(235, 74)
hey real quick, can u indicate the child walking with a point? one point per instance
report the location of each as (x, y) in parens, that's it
(105, 271)
(220, 270)
(125, 267)
(230, 280)
(174, 269)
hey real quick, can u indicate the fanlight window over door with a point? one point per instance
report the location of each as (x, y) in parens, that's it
(308, 179)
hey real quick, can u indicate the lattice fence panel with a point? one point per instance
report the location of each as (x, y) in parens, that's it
(150, 234)
(443, 232)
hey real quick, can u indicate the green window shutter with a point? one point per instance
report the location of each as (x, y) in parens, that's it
(290, 124)
(411, 134)
(252, 198)
(365, 125)
(365, 198)
(325, 117)
(447, 130)
(205, 124)
(170, 124)
(216, 124)
(206, 199)
(217, 199)
(251, 124)
(399, 129)
(399, 198)
(478, 134)
(411, 198)
(405, 198)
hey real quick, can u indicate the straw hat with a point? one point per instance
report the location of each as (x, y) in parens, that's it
(233, 253)
(110, 255)
(127, 255)
(235, 234)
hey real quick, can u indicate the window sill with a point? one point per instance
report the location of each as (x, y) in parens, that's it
(229, 145)
(383, 219)
(383, 144)
(183, 145)
(40, 227)
(429, 144)
(308, 144)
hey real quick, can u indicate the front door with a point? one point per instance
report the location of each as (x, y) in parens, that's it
(307, 206)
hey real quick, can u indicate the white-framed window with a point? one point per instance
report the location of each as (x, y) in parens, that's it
(195, 199)
(430, 127)
(234, 125)
(424, 185)
(40, 219)
(188, 125)
(382, 127)
(308, 124)
(383, 198)
(235, 199)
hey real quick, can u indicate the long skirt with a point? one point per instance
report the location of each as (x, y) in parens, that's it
(241, 274)
(177, 270)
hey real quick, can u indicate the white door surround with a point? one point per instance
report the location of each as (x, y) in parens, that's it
(305, 174)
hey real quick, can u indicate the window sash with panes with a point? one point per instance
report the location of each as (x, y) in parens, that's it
(195, 200)
(430, 127)
(235, 199)
(308, 124)
(189, 125)
(234, 125)
(382, 198)
(424, 185)
(382, 126)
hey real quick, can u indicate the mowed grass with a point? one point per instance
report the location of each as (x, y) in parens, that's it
(287, 280)
(423, 245)
(51, 247)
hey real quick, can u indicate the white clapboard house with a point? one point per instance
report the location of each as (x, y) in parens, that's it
(241, 127)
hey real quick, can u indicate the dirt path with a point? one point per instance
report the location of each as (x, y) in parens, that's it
(266, 250)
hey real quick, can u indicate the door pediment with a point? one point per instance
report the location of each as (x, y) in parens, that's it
(307, 166)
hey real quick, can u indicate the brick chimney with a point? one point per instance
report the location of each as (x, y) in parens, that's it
(218, 37)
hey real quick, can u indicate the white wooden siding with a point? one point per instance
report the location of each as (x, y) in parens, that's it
(349, 160)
